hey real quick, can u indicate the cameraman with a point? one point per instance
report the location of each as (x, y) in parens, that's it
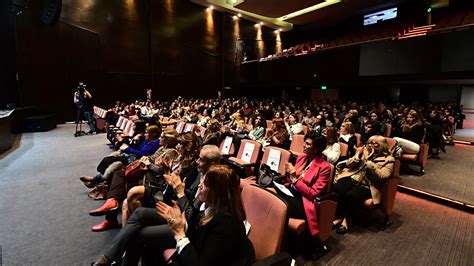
(83, 101)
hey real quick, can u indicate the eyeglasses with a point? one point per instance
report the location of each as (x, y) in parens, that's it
(373, 143)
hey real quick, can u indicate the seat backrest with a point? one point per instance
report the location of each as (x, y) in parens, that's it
(305, 129)
(188, 127)
(249, 150)
(297, 143)
(359, 139)
(391, 143)
(333, 171)
(124, 124)
(180, 127)
(203, 131)
(344, 149)
(128, 127)
(119, 121)
(269, 124)
(276, 157)
(227, 146)
(388, 132)
(267, 216)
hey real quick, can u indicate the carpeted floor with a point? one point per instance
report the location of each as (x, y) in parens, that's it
(44, 214)
(451, 176)
(43, 205)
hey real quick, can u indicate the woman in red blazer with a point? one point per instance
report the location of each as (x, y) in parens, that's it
(307, 179)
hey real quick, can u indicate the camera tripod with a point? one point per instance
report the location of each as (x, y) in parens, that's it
(79, 131)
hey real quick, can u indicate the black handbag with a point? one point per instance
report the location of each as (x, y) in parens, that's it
(266, 176)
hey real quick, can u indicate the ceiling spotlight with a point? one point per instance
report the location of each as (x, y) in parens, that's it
(257, 25)
(279, 29)
(208, 9)
(235, 17)
(239, 15)
(261, 23)
(211, 7)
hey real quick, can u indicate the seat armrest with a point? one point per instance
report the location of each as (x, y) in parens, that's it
(280, 259)
(330, 196)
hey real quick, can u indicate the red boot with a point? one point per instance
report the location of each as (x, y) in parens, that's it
(109, 205)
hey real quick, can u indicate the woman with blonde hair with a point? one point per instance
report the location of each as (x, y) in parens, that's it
(359, 178)
(346, 135)
(411, 132)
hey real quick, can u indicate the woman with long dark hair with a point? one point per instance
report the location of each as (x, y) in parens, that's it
(215, 236)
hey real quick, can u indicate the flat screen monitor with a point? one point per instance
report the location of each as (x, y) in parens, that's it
(380, 16)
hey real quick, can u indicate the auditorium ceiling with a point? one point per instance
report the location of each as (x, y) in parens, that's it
(284, 14)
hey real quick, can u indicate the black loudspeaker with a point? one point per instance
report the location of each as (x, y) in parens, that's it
(51, 12)
(38, 123)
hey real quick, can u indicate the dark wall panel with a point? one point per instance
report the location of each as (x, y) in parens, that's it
(119, 48)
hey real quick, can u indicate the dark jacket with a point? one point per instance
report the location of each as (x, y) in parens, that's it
(220, 242)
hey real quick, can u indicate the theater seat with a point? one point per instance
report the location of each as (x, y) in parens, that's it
(389, 191)
(296, 146)
(388, 132)
(280, 165)
(419, 159)
(247, 157)
(227, 146)
(267, 215)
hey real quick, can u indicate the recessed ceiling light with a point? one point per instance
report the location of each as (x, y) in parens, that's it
(261, 23)
(239, 15)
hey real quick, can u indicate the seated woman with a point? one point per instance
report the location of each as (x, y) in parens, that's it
(212, 135)
(293, 126)
(346, 135)
(139, 128)
(359, 179)
(277, 135)
(333, 149)
(319, 124)
(184, 166)
(147, 147)
(307, 179)
(215, 236)
(369, 131)
(411, 132)
(130, 154)
(379, 125)
(258, 128)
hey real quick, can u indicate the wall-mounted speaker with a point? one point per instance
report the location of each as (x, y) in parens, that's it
(51, 12)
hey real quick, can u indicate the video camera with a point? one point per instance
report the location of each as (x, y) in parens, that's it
(81, 87)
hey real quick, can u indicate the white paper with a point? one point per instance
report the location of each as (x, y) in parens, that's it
(227, 144)
(274, 159)
(188, 128)
(247, 227)
(248, 151)
(283, 189)
(180, 125)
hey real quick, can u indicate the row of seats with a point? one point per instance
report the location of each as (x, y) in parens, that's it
(266, 212)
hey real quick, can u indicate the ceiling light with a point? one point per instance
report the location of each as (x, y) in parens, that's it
(261, 23)
(235, 17)
(257, 25)
(239, 15)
